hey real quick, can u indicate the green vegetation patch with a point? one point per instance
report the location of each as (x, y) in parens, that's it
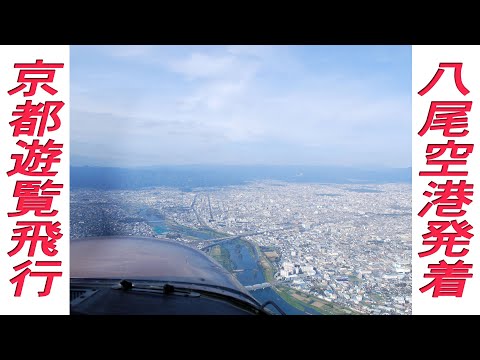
(300, 299)
(222, 256)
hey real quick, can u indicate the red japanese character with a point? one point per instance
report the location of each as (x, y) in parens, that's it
(451, 198)
(447, 239)
(447, 116)
(38, 69)
(30, 198)
(29, 114)
(20, 278)
(33, 227)
(457, 153)
(448, 279)
(37, 154)
(457, 75)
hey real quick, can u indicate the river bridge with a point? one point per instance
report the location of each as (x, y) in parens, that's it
(258, 286)
(238, 236)
(264, 285)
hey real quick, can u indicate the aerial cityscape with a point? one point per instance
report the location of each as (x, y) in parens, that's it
(328, 248)
(290, 165)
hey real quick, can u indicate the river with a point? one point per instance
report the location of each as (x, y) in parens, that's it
(241, 257)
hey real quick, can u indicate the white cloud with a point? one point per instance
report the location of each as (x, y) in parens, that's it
(229, 104)
(199, 65)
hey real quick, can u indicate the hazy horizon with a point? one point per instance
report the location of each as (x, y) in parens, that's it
(137, 106)
(375, 167)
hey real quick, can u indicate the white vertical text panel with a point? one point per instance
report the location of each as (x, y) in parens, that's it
(449, 298)
(47, 257)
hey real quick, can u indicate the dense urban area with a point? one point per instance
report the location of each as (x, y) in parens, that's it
(347, 244)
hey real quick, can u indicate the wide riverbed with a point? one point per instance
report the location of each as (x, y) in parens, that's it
(242, 261)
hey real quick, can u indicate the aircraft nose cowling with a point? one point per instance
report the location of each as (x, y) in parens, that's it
(126, 257)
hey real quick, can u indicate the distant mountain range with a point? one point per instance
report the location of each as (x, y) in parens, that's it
(193, 176)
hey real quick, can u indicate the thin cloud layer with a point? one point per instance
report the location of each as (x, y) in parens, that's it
(153, 105)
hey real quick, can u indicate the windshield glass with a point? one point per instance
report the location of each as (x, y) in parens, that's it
(277, 162)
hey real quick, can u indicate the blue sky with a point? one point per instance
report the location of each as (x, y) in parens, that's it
(296, 105)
